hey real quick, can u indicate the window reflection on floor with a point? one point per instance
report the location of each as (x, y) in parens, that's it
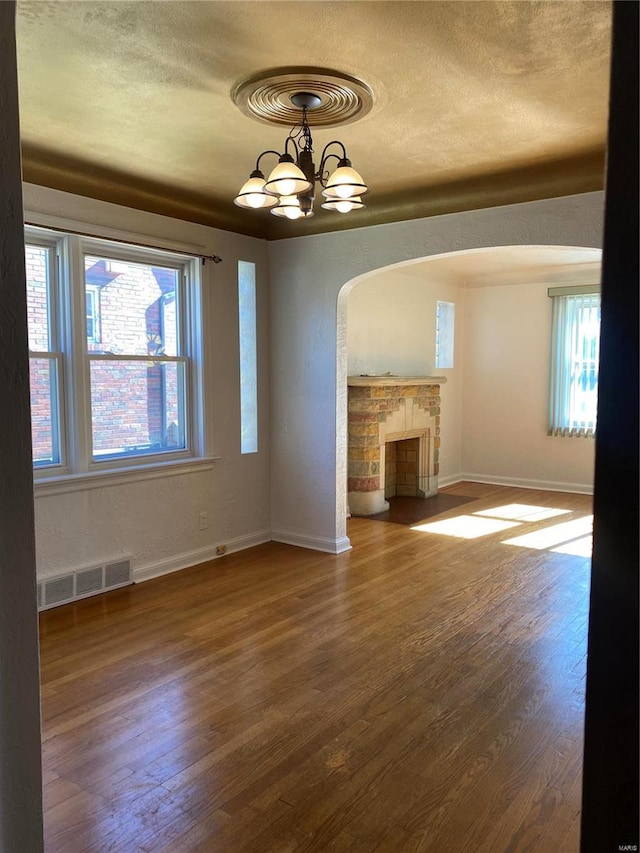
(578, 548)
(569, 537)
(523, 512)
(466, 526)
(554, 535)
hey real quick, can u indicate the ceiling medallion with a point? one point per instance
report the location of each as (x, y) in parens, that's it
(267, 96)
(289, 191)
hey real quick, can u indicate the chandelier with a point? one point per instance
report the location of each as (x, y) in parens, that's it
(289, 191)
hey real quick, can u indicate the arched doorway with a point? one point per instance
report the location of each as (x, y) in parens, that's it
(496, 392)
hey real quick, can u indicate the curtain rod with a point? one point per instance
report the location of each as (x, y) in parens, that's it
(215, 258)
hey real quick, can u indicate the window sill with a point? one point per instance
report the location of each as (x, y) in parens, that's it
(46, 486)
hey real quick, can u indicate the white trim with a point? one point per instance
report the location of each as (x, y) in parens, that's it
(445, 482)
(200, 555)
(47, 220)
(314, 543)
(78, 471)
(517, 483)
(100, 480)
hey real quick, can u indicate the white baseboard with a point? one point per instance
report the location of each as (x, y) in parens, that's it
(517, 483)
(200, 555)
(314, 543)
(443, 482)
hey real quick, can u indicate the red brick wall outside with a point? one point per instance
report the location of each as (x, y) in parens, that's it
(134, 404)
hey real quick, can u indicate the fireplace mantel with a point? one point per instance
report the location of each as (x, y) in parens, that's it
(386, 408)
(390, 379)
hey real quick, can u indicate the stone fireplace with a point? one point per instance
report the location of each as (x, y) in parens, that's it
(386, 409)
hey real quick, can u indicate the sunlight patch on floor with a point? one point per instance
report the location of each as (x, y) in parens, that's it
(466, 526)
(523, 512)
(554, 535)
(578, 548)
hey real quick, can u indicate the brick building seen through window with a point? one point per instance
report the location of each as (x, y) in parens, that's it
(137, 404)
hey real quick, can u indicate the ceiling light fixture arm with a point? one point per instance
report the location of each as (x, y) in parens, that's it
(342, 161)
(295, 145)
(323, 173)
(257, 168)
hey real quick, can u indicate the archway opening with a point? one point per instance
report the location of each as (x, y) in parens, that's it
(495, 399)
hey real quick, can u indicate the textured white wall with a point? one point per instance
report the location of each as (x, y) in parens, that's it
(506, 393)
(309, 338)
(391, 325)
(156, 521)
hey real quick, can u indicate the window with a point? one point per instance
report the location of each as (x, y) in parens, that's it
(115, 340)
(445, 320)
(248, 357)
(575, 347)
(93, 315)
(45, 356)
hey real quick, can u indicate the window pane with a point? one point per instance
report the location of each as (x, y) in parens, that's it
(134, 307)
(137, 407)
(583, 387)
(44, 411)
(574, 364)
(248, 358)
(445, 320)
(37, 269)
(93, 314)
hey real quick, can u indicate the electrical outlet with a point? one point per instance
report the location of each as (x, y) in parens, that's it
(203, 521)
(220, 550)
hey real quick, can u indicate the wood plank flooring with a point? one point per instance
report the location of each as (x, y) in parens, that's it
(422, 692)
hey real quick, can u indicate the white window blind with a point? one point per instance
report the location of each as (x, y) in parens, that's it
(575, 350)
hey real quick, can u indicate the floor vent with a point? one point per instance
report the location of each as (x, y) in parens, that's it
(89, 581)
(117, 574)
(83, 583)
(58, 590)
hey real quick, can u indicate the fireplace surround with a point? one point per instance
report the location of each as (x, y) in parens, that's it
(385, 409)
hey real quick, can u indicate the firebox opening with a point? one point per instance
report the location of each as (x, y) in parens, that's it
(402, 468)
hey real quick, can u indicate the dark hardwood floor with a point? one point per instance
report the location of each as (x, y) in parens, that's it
(423, 692)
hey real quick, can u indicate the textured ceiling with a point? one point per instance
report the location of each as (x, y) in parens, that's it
(509, 265)
(475, 103)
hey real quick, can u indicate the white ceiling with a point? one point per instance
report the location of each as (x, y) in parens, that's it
(509, 265)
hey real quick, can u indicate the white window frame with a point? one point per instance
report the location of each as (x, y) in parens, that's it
(563, 342)
(54, 353)
(78, 470)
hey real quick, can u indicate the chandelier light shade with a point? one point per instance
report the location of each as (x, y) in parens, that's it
(345, 182)
(252, 194)
(289, 191)
(287, 179)
(289, 207)
(343, 205)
